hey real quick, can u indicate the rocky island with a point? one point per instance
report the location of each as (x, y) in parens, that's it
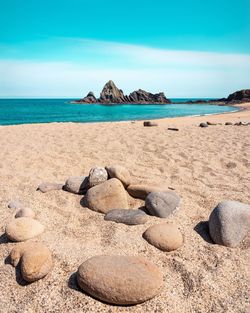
(112, 95)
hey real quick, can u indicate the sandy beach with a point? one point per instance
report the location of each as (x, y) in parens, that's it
(203, 165)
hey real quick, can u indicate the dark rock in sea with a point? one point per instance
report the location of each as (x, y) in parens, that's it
(241, 95)
(111, 94)
(203, 125)
(149, 124)
(90, 98)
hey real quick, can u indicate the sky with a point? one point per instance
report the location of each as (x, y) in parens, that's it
(64, 49)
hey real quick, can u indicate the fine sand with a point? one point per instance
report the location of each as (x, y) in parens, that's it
(203, 165)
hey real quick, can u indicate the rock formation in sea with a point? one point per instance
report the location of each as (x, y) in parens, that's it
(111, 94)
(241, 95)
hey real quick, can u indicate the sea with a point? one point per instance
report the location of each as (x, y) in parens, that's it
(29, 111)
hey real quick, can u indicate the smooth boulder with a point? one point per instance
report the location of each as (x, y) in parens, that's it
(107, 196)
(203, 125)
(97, 175)
(25, 212)
(120, 173)
(35, 258)
(121, 280)
(162, 204)
(141, 191)
(165, 237)
(128, 217)
(229, 223)
(23, 228)
(77, 184)
(46, 187)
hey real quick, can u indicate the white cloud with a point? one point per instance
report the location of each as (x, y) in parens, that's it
(177, 73)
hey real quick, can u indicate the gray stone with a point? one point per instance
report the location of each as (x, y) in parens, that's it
(129, 217)
(45, 187)
(107, 196)
(77, 184)
(120, 279)
(229, 223)
(97, 175)
(162, 204)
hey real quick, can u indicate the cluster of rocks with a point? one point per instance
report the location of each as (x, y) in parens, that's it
(35, 258)
(206, 124)
(111, 94)
(117, 279)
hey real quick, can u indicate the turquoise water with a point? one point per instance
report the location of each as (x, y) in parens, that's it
(26, 111)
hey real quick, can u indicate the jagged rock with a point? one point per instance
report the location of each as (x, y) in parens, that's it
(90, 98)
(97, 175)
(23, 228)
(229, 223)
(36, 260)
(149, 124)
(45, 187)
(141, 191)
(162, 204)
(165, 237)
(119, 172)
(111, 94)
(77, 184)
(120, 279)
(129, 217)
(25, 212)
(142, 96)
(107, 196)
(240, 95)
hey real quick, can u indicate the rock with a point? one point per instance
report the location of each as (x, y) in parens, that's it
(45, 187)
(162, 204)
(90, 98)
(165, 237)
(36, 260)
(77, 184)
(25, 212)
(23, 228)
(129, 217)
(149, 124)
(121, 173)
(97, 175)
(211, 123)
(107, 196)
(141, 191)
(15, 205)
(228, 123)
(174, 129)
(203, 125)
(111, 94)
(120, 279)
(229, 223)
(240, 95)
(142, 96)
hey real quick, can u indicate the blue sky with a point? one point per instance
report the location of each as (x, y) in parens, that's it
(66, 48)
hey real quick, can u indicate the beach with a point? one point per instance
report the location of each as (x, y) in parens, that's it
(203, 165)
